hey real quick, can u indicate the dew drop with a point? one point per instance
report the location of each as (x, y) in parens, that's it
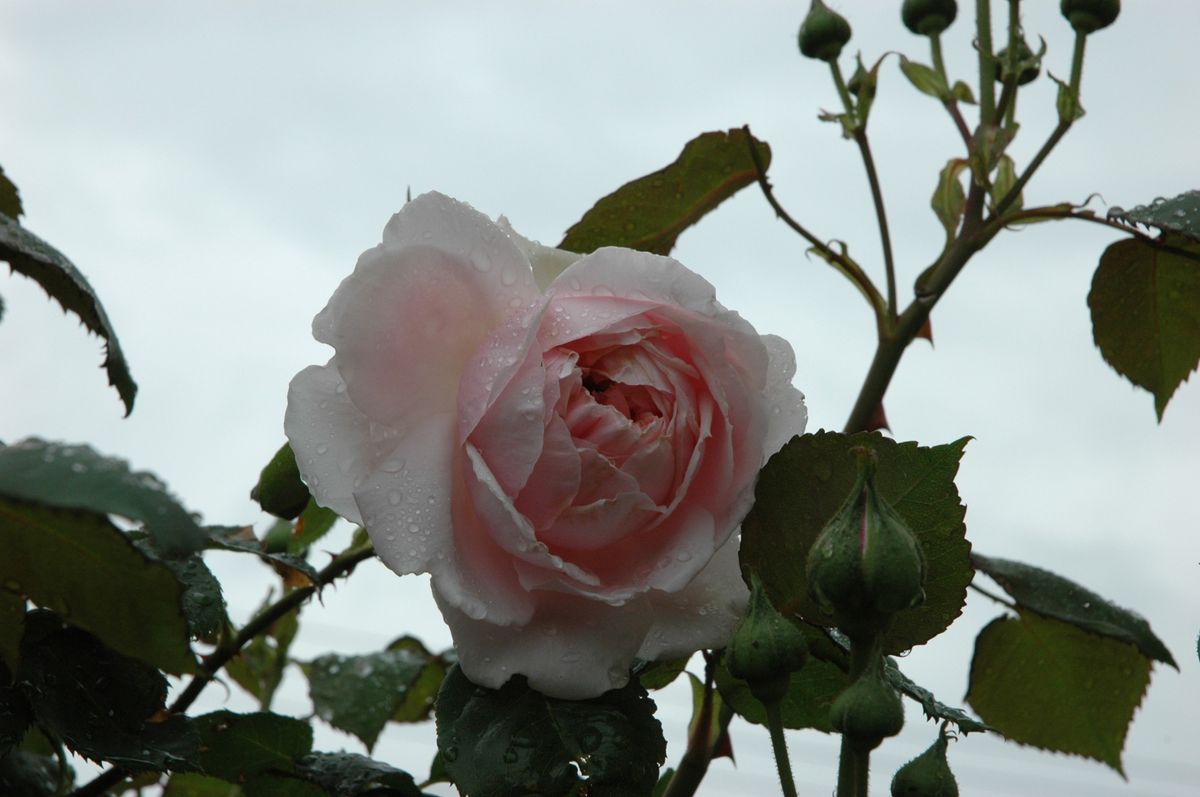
(322, 449)
(508, 277)
(341, 388)
(481, 265)
(571, 657)
(394, 498)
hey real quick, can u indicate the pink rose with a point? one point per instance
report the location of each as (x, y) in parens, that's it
(569, 455)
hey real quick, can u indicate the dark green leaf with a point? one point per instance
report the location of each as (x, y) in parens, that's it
(203, 604)
(236, 746)
(278, 784)
(659, 674)
(101, 704)
(14, 712)
(517, 741)
(45, 265)
(925, 79)
(76, 477)
(709, 728)
(10, 197)
(359, 694)
(650, 212)
(279, 489)
(1179, 215)
(1054, 596)
(933, 708)
(313, 524)
(352, 775)
(1145, 304)
(804, 485)
(84, 568)
(663, 782)
(190, 784)
(419, 697)
(1051, 685)
(811, 692)
(25, 774)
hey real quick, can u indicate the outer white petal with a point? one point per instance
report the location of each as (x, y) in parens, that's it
(547, 261)
(787, 415)
(330, 437)
(704, 614)
(572, 648)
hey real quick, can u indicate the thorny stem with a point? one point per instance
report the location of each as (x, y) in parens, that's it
(987, 67)
(694, 764)
(779, 747)
(1014, 38)
(843, 263)
(951, 105)
(854, 764)
(864, 147)
(342, 565)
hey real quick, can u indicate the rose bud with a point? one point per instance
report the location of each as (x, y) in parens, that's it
(1089, 16)
(1027, 70)
(927, 775)
(823, 33)
(766, 648)
(928, 17)
(866, 558)
(869, 710)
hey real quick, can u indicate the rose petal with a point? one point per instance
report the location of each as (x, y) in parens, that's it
(787, 415)
(329, 436)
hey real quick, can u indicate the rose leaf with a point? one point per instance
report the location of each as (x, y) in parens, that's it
(29, 255)
(237, 746)
(77, 477)
(80, 565)
(1145, 304)
(811, 692)
(1052, 685)
(649, 213)
(803, 486)
(515, 740)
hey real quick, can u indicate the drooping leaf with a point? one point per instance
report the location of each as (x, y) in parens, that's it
(1145, 303)
(1179, 215)
(925, 79)
(234, 747)
(949, 198)
(203, 603)
(650, 212)
(709, 727)
(1049, 684)
(359, 694)
(76, 477)
(10, 198)
(659, 674)
(1003, 182)
(242, 540)
(101, 704)
(353, 775)
(29, 255)
(419, 697)
(811, 692)
(518, 741)
(313, 524)
(279, 489)
(85, 569)
(804, 485)
(1052, 595)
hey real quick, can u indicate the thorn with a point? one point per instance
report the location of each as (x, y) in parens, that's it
(878, 420)
(926, 331)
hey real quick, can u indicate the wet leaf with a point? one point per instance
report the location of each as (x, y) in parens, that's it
(1178, 216)
(237, 746)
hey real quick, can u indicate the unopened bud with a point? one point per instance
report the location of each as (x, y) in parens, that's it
(927, 775)
(868, 711)
(1027, 68)
(928, 17)
(1089, 16)
(766, 648)
(823, 33)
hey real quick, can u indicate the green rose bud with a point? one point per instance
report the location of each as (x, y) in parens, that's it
(927, 775)
(766, 648)
(824, 33)
(866, 558)
(928, 17)
(1027, 68)
(1089, 16)
(868, 710)
(279, 489)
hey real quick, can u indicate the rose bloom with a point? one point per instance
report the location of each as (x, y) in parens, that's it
(566, 444)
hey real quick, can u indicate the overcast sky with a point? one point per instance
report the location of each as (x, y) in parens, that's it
(216, 168)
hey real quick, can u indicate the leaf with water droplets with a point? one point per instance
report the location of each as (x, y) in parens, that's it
(236, 746)
(29, 255)
(77, 477)
(650, 212)
(101, 704)
(351, 775)
(515, 740)
(83, 567)
(1145, 304)
(359, 694)
(1179, 215)
(1052, 595)
(805, 484)
(1054, 686)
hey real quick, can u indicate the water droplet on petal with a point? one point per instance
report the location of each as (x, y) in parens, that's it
(322, 449)
(394, 498)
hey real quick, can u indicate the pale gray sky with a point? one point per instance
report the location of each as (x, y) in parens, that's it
(216, 168)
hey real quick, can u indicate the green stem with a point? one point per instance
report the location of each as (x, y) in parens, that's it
(1014, 38)
(864, 148)
(693, 766)
(987, 65)
(343, 565)
(854, 765)
(779, 747)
